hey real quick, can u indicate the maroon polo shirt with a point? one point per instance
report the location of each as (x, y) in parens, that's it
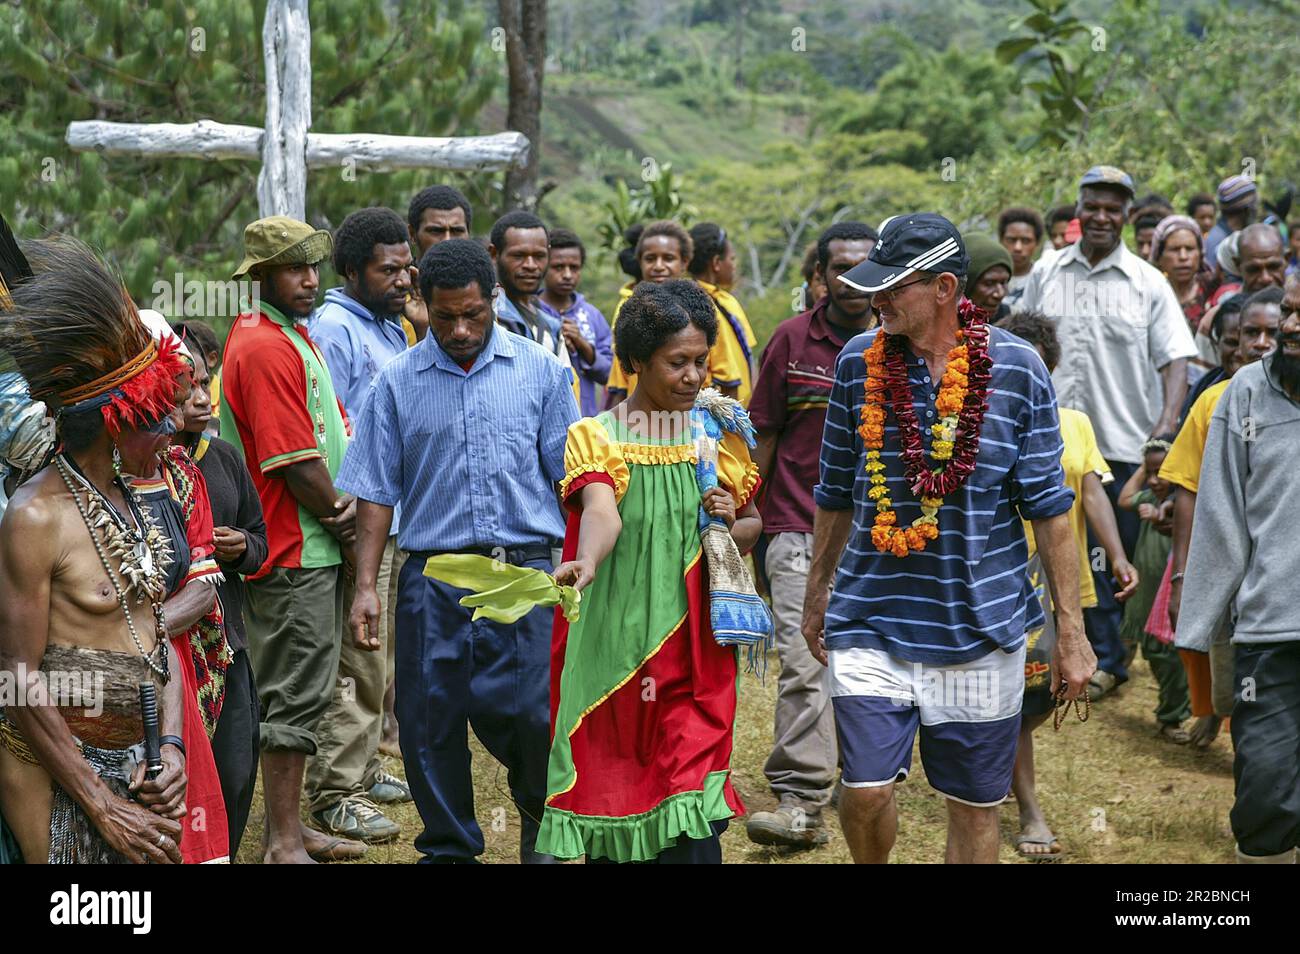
(790, 397)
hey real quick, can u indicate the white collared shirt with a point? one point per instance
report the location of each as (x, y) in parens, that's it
(1119, 323)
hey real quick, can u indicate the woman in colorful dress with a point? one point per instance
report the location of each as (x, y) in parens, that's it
(643, 698)
(170, 487)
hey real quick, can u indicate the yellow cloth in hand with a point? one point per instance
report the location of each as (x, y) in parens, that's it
(501, 591)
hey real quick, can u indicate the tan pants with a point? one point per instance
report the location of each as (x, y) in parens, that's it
(804, 751)
(347, 738)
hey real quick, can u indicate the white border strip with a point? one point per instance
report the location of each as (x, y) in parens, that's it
(918, 264)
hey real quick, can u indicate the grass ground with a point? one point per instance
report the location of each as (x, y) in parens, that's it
(1114, 792)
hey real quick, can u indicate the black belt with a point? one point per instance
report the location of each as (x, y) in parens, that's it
(516, 556)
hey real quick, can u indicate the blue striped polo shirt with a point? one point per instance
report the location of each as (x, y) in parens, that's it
(968, 592)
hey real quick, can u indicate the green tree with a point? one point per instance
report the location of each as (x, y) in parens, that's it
(1177, 129)
(419, 68)
(957, 102)
(1055, 54)
(658, 197)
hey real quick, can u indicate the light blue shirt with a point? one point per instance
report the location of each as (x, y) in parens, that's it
(472, 457)
(356, 344)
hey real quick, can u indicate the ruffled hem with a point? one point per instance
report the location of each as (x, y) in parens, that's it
(657, 453)
(643, 837)
(748, 484)
(620, 478)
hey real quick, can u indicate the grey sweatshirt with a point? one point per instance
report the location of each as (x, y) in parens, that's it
(1245, 552)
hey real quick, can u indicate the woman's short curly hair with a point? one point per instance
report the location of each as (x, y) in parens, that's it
(655, 313)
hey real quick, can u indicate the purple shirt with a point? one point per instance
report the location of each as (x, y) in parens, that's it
(790, 397)
(595, 329)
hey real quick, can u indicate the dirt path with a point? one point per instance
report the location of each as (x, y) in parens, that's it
(1114, 792)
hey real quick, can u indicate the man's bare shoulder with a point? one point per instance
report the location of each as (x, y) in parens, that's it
(37, 511)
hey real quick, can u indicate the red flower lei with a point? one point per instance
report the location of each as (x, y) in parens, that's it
(966, 379)
(942, 481)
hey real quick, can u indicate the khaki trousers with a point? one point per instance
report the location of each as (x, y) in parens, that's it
(804, 753)
(347, 739)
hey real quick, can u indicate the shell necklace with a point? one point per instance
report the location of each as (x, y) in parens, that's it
(143, 554)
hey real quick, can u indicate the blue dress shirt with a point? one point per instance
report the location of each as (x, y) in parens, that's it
(472, 457)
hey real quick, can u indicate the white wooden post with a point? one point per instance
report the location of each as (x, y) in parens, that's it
(286, 57)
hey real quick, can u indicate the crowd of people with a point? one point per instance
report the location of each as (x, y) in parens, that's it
(975, 476)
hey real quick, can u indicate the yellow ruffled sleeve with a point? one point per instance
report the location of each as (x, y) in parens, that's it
(736, 470)
(589, 450)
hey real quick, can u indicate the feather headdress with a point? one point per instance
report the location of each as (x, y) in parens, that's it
(77, 338)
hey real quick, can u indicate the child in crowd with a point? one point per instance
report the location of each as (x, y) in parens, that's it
(199, 335)
(1086, 474)
(1149, 494)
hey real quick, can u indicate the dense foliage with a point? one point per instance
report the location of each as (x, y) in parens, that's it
(773, 117)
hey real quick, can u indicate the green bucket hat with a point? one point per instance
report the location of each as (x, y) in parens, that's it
(280, 240)
(985, 251)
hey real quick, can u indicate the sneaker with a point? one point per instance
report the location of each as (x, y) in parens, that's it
(357, 817)
(790, 826)
(388, 789)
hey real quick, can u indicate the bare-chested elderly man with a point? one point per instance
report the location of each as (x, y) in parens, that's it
(83, 579)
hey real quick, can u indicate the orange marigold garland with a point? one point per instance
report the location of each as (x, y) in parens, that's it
(960, 404)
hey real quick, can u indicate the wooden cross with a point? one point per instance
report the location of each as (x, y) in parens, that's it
(286, 148)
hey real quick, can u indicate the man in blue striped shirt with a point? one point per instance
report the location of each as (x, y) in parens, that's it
(935, 641)
(466, 431)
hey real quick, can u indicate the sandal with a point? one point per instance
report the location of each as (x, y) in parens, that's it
(338, 849)
(1055, 852)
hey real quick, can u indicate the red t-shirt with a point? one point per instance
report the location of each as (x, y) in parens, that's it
(280, 397)
(790, 397)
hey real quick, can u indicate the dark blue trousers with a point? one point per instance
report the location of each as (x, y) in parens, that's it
(452, 673)
(1102, 622)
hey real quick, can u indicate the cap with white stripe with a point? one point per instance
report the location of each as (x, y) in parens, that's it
(915, 242)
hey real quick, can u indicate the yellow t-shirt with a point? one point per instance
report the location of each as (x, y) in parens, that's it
(619, 380)
(214, 393)
(727, 364)
(1080, 457)
(1182, 464)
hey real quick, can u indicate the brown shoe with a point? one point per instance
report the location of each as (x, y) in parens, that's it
(790, 826)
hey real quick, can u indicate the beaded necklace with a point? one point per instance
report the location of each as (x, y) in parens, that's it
(143, 554)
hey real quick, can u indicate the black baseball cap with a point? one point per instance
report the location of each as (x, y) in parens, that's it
(913, 242)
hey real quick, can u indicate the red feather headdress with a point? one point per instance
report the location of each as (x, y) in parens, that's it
(78, 339)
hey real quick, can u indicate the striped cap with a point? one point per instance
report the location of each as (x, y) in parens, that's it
(1235, 190)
